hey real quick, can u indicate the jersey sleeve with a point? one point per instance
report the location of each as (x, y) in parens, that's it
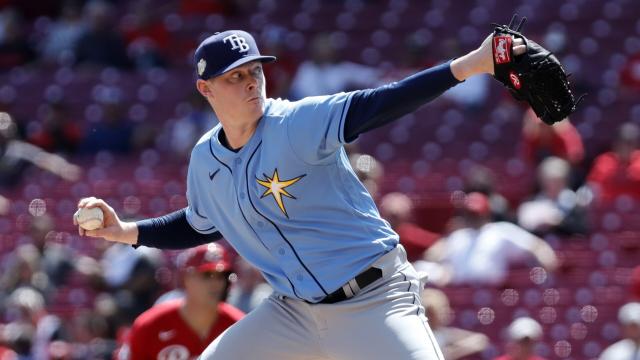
(315, 126)
(134, 348)
(195, 217)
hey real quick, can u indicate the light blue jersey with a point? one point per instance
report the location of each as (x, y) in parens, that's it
(288, 201)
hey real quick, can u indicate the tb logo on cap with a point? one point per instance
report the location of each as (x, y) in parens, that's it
(237, 42)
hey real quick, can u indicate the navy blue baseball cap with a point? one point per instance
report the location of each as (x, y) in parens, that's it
(224, 51)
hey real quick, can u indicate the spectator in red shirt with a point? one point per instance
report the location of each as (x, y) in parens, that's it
(280, 75)
(523, 334)
(7, 354)
(207, 7)
(483, 180)
(630, 74)
(182, 328)
(147, 37)
(617, 172)
(396, 208)
(57, 131)
(540, 140)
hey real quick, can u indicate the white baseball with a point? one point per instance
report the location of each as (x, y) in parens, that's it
(89, 218)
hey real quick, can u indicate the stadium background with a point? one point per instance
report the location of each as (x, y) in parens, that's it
(123, 124)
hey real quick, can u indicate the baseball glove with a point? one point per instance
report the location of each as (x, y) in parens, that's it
(536, 76)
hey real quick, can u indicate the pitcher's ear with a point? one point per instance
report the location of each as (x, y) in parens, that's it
(204, 88)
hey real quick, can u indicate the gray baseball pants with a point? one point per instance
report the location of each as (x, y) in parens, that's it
(384, 321)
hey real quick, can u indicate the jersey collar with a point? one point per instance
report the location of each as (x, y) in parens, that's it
(228, 157)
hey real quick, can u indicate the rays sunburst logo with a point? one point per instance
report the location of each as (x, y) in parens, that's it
(277, 188)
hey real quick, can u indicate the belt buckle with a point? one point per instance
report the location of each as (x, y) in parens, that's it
(352, 287)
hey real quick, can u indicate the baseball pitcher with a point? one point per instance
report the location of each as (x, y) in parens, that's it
(274, 180)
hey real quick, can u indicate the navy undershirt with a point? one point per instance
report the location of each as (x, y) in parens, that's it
(369, 109)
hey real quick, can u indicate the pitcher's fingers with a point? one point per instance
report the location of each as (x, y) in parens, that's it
(83, 202)
(100, 204)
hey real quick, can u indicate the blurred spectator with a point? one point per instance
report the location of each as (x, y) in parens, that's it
(114, 132)
(16, 155)
(206, 7)
(556, 208)
(455, 343)
(57, 258)
(92, 331)
(99, 44)
(635, 283)
(146, 36)
(15, 47)
(523, 334)
(184, 132)
(540, 140)
(482, 251)
(6, 353)
(281, 72)
(132, 276)
(19, 337)
(471, 94)
(555, 40)
(326, 74)
(397, 209)
(19, 267)
(60, 350)
(368, 170)
(630, 74)
(27, 305)
(629, 347)
(483, 180)
(185, 327)
(4, 205)
(617, 172)
(61, 37)
(57, 131)
(249, 289)
(416, 56)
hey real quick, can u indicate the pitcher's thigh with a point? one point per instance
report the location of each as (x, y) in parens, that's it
(388, 322)
(400, 336)
(270, 331)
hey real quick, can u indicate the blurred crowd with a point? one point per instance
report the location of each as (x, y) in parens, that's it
(60, 302)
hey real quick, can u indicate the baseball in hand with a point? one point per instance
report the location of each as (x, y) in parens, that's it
(89, 218)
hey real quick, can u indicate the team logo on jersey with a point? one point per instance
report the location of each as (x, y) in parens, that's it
(277, 188)
(166, 335)
(237, 43)
(174, 352)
